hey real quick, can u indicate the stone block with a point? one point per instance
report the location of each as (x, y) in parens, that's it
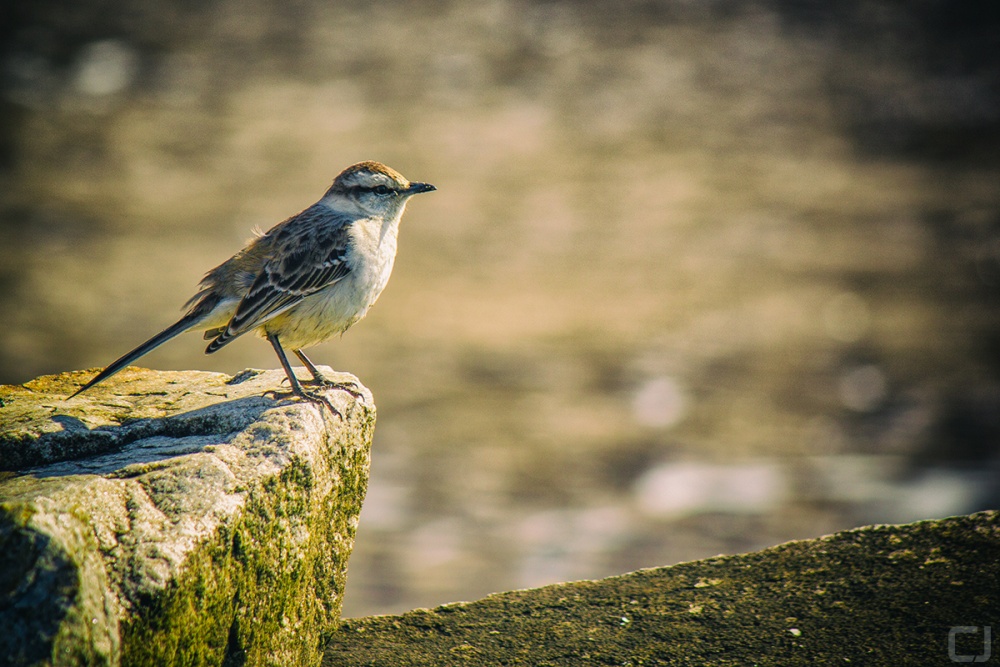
(175, 518)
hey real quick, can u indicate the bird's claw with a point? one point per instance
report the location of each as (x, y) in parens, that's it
(350, 387)
(309, 396)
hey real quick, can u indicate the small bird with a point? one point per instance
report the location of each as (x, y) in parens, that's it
(306, 279)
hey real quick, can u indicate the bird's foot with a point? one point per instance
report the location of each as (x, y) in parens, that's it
(309, 396)
(350, 387)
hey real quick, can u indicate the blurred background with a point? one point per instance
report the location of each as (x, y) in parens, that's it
(701, 276)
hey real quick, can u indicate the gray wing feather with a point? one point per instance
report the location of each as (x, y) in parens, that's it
(309, 254)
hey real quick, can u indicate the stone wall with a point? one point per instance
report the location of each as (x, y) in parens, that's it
(918, 594)
(188, 519)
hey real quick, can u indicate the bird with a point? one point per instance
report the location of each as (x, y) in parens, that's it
(303, 281)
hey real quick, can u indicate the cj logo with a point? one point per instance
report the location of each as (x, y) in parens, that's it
(970, 629)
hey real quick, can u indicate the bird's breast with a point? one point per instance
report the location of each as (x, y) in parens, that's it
(371, 254)
(333, 310)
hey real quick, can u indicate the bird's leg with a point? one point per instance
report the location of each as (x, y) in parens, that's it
(297, 389)
(320, 380)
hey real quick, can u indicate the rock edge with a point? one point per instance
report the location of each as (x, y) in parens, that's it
(175, 518)
(878, 595)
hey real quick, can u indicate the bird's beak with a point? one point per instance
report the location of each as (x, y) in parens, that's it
(417, 188)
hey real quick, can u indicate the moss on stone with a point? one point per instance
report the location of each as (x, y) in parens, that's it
(880, 595)
(216, 535)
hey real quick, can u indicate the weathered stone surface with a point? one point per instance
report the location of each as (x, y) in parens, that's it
(881, 595)
(175, 519)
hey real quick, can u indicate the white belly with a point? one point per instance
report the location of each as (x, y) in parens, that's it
(333, 310)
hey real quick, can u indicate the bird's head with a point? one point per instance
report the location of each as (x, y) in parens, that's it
(374, 188)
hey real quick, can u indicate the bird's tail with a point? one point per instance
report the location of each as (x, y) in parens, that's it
(180, 327)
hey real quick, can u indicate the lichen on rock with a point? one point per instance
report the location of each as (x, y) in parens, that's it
(175, 519)
(877, 595)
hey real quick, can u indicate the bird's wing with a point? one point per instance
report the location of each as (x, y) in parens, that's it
(308, 254)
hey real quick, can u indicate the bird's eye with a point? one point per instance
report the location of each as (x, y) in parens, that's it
(380, 190)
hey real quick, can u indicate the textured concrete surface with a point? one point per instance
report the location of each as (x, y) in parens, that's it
(879, 595)
(175, 519)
